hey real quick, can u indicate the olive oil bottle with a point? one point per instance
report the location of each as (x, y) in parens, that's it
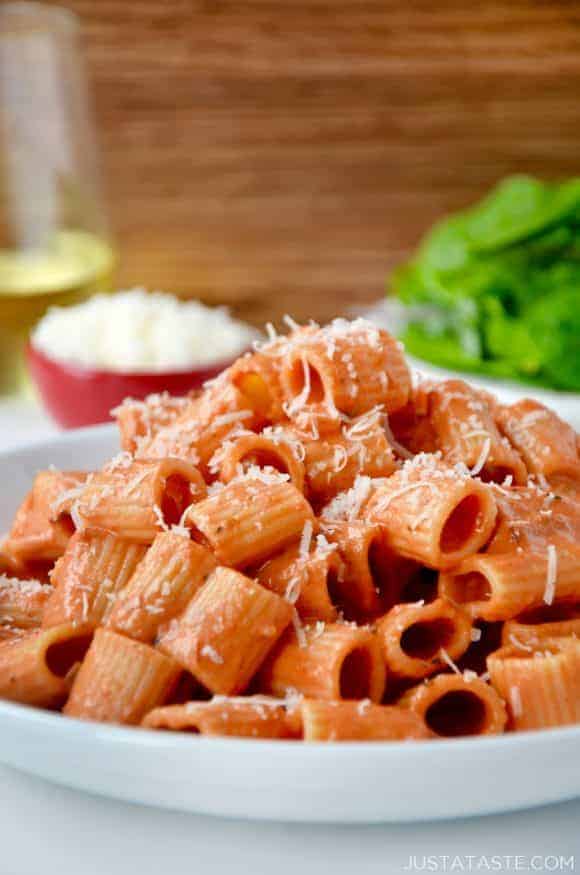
(54, 245)
(75, 265)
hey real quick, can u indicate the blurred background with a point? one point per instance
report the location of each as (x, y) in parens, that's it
(284, 156)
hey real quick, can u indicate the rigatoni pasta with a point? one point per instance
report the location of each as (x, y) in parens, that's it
(95, 567)
(38, 668)
(199, 431)
(226, 631)
(352, 366)
(371, 579)
(249, 519)
(359, 721)
(247, 451)
(528, 630)
(499, 587)
(43, 525)
(539, 683)
(161, 586)
(418, 640)
(241, 716)
(22, 603)
(136, 499)
(120, 680)
(141, 420)
(457, 704)
(433, 513)
(333, 461)
(327, 661)
(546, 443)
(465, 431)
(314, 547)
(309, 578)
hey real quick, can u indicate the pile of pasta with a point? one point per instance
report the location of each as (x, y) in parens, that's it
(317, 546)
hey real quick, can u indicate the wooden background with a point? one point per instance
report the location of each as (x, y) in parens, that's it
(285, 154)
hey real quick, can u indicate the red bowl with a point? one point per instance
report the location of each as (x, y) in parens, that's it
(76, 396)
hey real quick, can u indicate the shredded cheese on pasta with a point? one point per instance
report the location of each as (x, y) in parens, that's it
(551, 575)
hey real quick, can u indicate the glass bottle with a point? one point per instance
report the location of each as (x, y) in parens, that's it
(55, 248)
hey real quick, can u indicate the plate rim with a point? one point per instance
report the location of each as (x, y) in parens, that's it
(87, 731)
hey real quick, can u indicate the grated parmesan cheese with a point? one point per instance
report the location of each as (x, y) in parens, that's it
(446, 658)
(228, 418)
(290, 322)
(482, 459)
(135, 331)
(28, 587)
(521, 645)
(293, 588)
(551, 575)
(346, 506)
(212, 654)
(305, 539)
(299, 629)
(160, 519)
(66, 496)
(516, 701)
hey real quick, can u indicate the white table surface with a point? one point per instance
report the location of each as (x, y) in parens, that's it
(49, 829)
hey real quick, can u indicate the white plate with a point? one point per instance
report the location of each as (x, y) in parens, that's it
(275, 780)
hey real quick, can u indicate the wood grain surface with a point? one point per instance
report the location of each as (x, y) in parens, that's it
(285, 155)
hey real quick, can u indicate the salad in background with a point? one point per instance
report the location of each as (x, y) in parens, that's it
(495, 289)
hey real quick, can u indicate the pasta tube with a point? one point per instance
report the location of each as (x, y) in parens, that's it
(359, 721)
(256, 450)
(453, 705)
(226, 631)
(418, 640)
(371, 582)
(138, 500)
(9, 565)
(40, 531)
(37, 668)
(336, 661)
(348, 366)
(244, 717)
(120, 680)
(333, 462)
(529, 519)
(141, 420)
(541, 687)
(499, 587)
(411, 426)
(310, 579)
(546, 443)
(94, 569)
(466, 432)
(21, 605)
(257, 379)
(431, 513)
(250, 519)
(563, 622)
(201, 429)
(418, 584)
(172, 571)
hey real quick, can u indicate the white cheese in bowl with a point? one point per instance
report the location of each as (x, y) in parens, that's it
(139, 332)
